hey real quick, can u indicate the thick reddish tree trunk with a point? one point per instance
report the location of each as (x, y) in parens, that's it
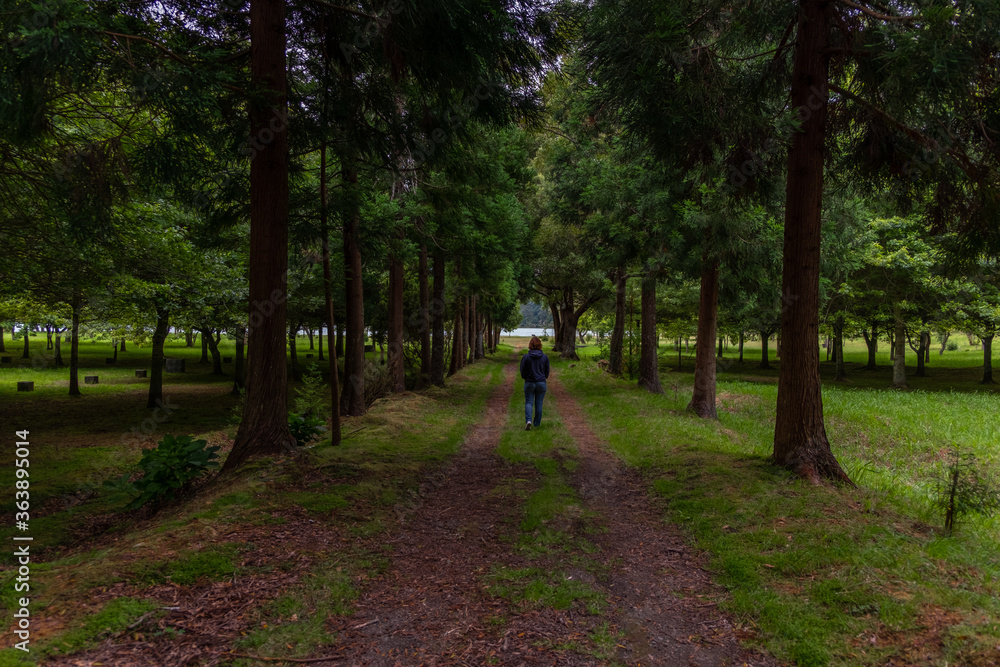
(155, 397)
(618, 332)
(649, 367)
(352, 401)
(800, 441)
(264, 427)
(397, 370)
(425, 324)
(437, 321)
(703, 397)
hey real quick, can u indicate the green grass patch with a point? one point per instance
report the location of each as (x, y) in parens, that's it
(540, 587)
(819, 571)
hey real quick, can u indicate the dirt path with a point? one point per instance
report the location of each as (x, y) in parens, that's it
(434, 607)
(661, 592)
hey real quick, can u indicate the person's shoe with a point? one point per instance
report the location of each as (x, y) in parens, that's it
(527, 427)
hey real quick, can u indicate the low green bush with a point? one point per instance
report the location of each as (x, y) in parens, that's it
(305, 427)
(174, 462)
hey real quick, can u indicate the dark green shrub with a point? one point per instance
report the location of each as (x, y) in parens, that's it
(172, 464)
(304, 427)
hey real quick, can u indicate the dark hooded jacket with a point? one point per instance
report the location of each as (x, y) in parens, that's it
(534, 366)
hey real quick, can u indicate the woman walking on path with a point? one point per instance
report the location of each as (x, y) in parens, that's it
(534, 370)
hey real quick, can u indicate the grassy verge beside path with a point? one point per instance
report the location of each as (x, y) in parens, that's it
(281, 546)
(829, 576)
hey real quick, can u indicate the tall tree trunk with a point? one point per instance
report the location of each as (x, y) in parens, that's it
(800, 441)
(58, 348)
(352, 401)
(569, 319)
(456, 341)
(765, 360)
(212, 340)
(927, 346)
(293, 352)
(892, 346)
(155, 397)
(425, 324)
(987, 359)
(944, 342)
(48, 337)
(332, 373)
(921, 357)
(239, 367)
(204, 347)
(470, 323)
(899, 347)
(264, 427)
(742, 336)
(649, 366)
(437, 322)
(466, 333)
(719, 354)
(838, 347)
(340, 341)
(319, 335)
(26, 330)
(74, 347)
(556, 327)
(309, 334)
(618, 332)
(871, 342)
(189, 338)
(3, 348)
(397, 371)
(121, 346)
(703, 397)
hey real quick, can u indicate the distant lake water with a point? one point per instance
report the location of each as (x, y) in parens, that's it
(527, 333)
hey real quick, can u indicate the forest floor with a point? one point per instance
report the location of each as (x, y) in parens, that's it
(526, 548)
(622, 531)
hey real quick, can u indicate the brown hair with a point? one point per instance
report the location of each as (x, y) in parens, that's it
(535, 343)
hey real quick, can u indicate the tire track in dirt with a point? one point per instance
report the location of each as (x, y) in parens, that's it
(658, 585)
(429, 608)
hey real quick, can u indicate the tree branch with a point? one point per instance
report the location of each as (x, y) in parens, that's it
(960, 158)
(874, 14)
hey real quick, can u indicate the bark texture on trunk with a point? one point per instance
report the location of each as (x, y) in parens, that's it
(397, 370)
(703, 397)
(2, 347)
(742, 337)
(57, 344)
(987, 359)
(471, 319)
(456, 343)
(155, 397)
(944, 343)
(800, 441)
(264, 427)
(649, 367)
(921, 357)
(618, 332)
(437, 323)
(352, 401)
(899, 360)
(556, 327)
(26, 354)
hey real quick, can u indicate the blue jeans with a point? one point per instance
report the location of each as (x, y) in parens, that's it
(534, 393)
